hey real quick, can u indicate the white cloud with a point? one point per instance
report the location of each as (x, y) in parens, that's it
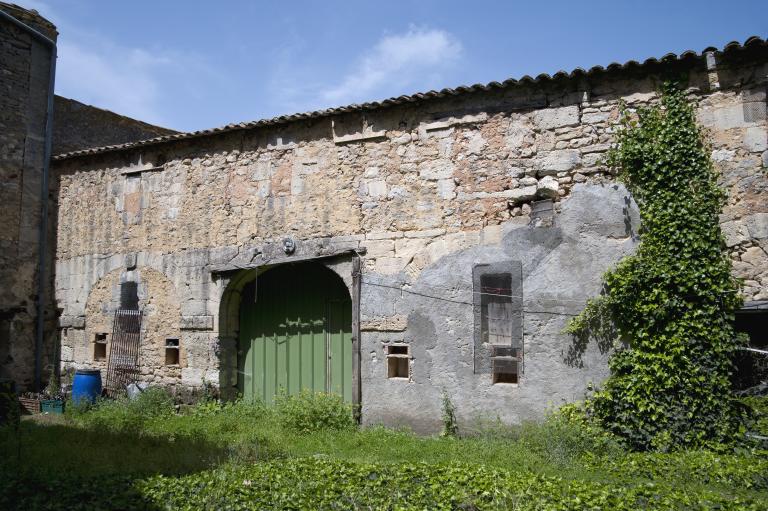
(414, 58)
(119, 79)
(129, 80)
(93, 70)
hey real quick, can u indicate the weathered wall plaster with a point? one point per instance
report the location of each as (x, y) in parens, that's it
(423, 192)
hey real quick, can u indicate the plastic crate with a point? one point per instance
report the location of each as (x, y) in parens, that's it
(52, 406)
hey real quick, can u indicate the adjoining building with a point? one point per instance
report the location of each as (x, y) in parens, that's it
(28, 328)
(391, 252)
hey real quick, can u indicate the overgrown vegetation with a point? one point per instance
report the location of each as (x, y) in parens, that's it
(123, 414)
(669, 307)
(448, 416)
(249, 456)
(308, 412)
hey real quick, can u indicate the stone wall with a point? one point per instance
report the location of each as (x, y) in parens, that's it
(78, 126)
(422, 191)
(24, 83)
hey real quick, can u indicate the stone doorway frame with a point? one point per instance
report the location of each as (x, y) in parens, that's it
(346, 265)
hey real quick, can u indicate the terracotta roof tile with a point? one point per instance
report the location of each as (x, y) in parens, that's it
(751, 42)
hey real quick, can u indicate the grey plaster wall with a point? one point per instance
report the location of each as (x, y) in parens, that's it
(562, 267)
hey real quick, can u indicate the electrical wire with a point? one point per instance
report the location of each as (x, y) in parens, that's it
(463, 302)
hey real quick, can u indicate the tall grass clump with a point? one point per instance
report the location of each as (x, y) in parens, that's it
(124, 414)
(565, 437)
(314, 411)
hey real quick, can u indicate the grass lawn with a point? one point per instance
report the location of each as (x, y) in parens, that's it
(142, 455)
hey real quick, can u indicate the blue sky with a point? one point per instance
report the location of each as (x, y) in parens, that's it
(191, 65)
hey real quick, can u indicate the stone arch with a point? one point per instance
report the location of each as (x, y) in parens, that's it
(229, 329)
(161, 320)
(229, 314)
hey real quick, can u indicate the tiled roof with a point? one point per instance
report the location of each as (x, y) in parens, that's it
(752, 42)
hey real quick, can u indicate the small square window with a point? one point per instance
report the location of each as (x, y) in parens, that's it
(100, 347)
(398, 361)
(505, 363)
(171, 352)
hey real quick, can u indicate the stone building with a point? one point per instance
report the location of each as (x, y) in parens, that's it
(25, 75)
(28, 347)
(391, 251)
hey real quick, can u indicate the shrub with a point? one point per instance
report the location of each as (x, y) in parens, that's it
(570, 433)
(234, 410)
(565, 437)
(672, 302)
(759, 407)
(153, 402)
(314, 411)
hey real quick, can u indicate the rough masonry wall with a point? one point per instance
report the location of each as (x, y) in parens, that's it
(428, 190)
(78, 126)
(160, 321)
(24, 83)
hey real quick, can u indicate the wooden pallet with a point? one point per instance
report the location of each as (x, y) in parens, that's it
(29, 405)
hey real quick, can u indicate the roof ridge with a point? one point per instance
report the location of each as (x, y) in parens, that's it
(752, 41)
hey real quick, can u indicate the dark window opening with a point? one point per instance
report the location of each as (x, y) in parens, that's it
(171, 352)
(504, 364)
(100, 347)
(751, 367)
(129, 296)
(398, 361)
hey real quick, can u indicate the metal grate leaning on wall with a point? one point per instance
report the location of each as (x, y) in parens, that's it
(123, 365)
(498, 314)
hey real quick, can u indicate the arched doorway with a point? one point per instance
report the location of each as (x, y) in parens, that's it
(295, 333)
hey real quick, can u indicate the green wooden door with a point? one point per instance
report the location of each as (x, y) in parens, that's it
(295, 333)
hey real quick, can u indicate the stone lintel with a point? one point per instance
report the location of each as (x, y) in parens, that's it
(272, 256)
(357, 137)
(196, 323)
(72, 322)
(397, 323)
(139, 170)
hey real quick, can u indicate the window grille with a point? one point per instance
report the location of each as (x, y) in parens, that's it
(123, 365)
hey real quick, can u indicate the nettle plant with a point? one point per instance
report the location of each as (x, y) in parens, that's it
(670, 305)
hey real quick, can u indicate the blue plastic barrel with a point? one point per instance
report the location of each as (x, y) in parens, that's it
(86, 385)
